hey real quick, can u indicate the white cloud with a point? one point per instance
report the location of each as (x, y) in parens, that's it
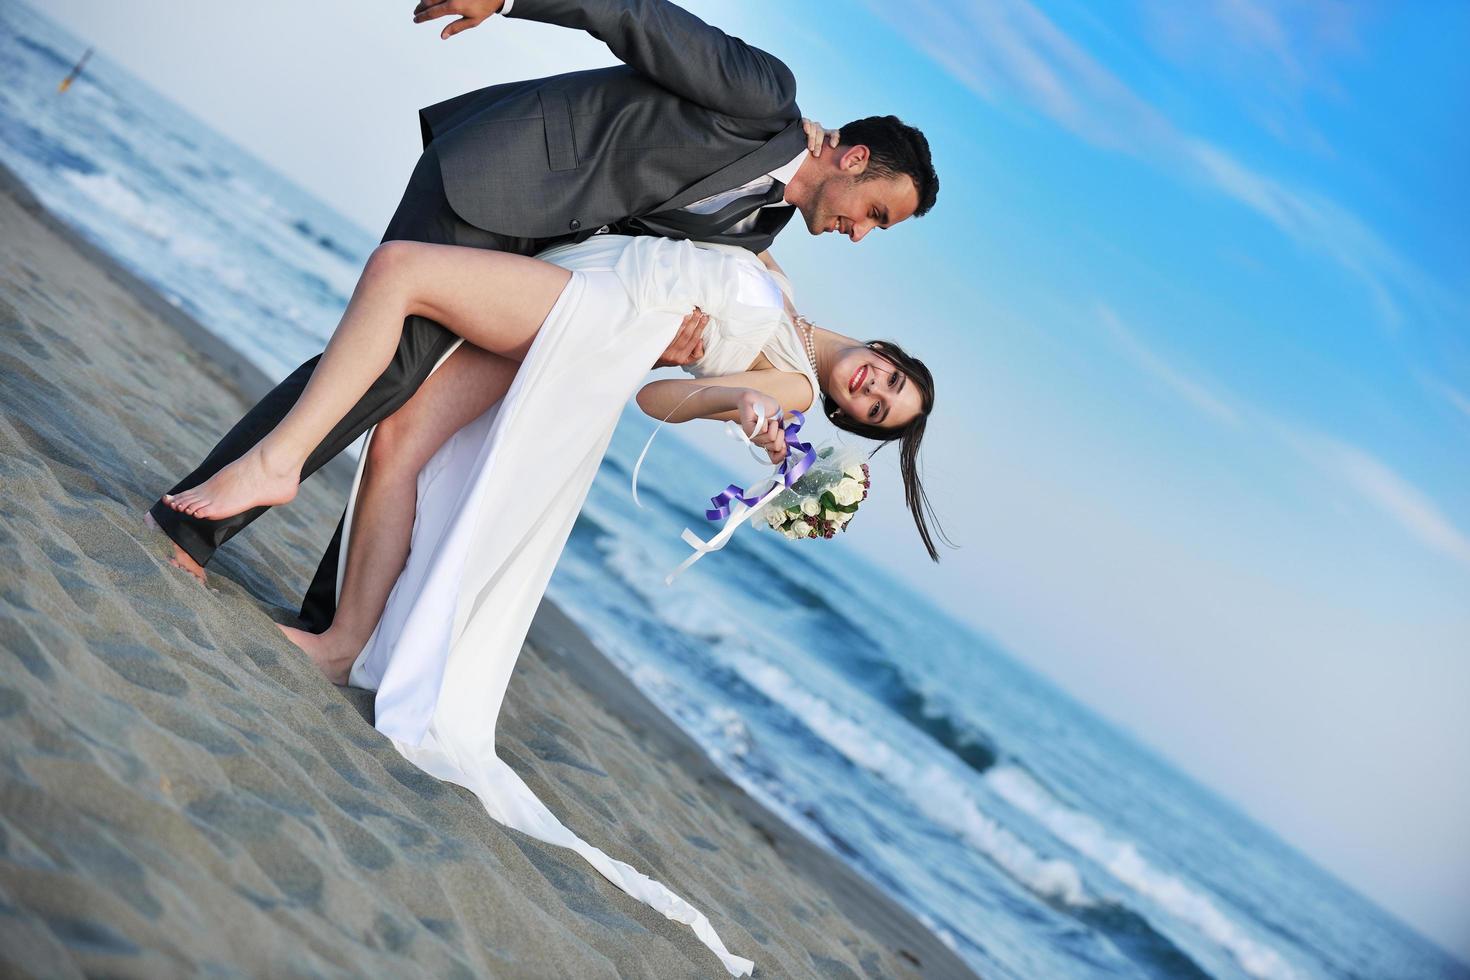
(1010, 48)
(1456, 399)
(1388, 492)
(1315, 221)
(1192, 390)
(1394, 496)
(1279, 45)
(1258, 25)
(1453, 395)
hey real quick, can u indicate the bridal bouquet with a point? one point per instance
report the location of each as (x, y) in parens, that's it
(823, 500)
(813, 493)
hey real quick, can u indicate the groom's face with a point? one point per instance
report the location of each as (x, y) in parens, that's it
(845, 203)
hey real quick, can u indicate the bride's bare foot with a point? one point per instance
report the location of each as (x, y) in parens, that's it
(181, 559)
(330, 656)
(250, 481)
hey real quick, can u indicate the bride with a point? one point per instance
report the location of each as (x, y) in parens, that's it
(465, 497)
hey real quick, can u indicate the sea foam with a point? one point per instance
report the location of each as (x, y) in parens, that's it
(1122, 860)
(928, 786)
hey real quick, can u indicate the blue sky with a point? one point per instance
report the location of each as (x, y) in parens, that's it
(1196, 295)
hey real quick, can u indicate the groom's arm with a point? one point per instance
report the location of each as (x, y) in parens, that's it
(679, 51)
(663, 41)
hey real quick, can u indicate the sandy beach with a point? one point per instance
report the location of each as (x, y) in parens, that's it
(182, 794)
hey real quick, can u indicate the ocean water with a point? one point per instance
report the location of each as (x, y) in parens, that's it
(1035, 839)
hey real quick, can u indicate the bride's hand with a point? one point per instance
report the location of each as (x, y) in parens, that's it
(471, 13)
(817, 137)
(769, 436)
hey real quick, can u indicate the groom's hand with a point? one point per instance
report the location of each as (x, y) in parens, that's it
(471, 13)
(688, 344)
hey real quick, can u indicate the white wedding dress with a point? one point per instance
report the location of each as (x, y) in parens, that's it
(498, 500)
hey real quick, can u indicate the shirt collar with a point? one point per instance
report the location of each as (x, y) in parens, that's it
(784, 174)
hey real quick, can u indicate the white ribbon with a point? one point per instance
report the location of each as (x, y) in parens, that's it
(739, 512)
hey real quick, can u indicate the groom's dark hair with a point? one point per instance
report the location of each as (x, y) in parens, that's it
(895, 148)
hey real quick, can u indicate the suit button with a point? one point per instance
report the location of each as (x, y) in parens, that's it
(574, 224)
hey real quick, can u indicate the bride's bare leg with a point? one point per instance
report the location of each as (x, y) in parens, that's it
(494, 300)
(468, 383)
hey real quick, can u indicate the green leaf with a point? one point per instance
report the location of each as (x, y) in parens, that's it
(829, 502)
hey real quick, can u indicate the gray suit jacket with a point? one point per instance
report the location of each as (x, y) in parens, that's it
(690, 113)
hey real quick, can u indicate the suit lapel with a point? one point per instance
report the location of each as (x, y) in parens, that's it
(772, 154)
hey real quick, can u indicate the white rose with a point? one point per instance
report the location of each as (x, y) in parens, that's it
(835, 515)
(843, 519)
(775, 517)
(848, 492)
(854, 472)
(810, 507)
(801, 529)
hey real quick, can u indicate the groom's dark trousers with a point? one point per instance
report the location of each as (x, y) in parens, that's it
(692, 112)
(424, 215)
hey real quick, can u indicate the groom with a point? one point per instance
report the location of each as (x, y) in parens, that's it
(695, 136)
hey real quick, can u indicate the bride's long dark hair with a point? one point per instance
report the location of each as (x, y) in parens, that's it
(909, 437)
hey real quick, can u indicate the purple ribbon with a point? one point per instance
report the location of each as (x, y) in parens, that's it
(791, 470)
(725, 497)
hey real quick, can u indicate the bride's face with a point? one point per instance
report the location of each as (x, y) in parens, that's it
(869, 388)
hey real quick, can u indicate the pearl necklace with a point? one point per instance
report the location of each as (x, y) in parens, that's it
(805, 326)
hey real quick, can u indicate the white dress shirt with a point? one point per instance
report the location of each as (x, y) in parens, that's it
(760, 185)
